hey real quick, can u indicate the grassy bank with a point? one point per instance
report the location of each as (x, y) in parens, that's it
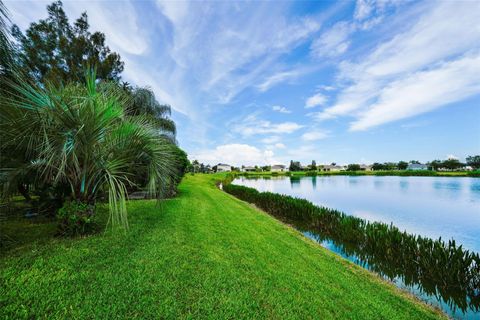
(403, 173)
(204, 254)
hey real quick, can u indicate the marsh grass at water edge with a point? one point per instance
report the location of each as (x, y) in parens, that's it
(439, 268)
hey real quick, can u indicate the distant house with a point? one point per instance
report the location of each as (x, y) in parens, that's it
(279, 168)
(417, 166)
(467, 168)
(366, 167)
(248, 169)
(222, 167)
(329, 167)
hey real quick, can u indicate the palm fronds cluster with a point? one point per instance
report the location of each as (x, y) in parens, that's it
(439, 268)
(80, 138)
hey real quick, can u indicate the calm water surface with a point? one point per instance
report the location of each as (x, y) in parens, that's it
(445, 207)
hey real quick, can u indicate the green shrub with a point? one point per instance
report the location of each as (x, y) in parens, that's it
(76, 218)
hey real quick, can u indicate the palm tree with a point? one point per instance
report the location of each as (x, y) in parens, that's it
(6, 47)
(79, 136)
(143, 102)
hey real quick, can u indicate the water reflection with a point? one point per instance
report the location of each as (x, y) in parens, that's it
(314, 182)
(294, 182)
(403, 186)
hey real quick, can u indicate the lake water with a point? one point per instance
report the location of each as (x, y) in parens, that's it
(445, 207)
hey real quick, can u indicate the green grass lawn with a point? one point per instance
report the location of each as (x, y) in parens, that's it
(203, 254)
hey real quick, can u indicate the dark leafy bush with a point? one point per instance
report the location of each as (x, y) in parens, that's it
(76, 218)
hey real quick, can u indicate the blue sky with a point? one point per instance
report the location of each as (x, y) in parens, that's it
(267, 82)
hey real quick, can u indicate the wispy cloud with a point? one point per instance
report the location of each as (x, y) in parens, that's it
(403, 76)
(236, 154)
(334, 41)
(251, 125)
(235, 41)
(271, 139)
(317, 99)
(277, 78)
(423, 91)
(281, 109)
(315, 135)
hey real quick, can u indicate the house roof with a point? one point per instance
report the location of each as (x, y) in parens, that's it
(278, 166)
(329, 166)
(223, 164)
(416, 165)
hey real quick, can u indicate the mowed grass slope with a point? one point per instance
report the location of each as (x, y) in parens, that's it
(203, 254)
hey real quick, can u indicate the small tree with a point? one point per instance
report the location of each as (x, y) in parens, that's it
(452, 164)
(435, 165)
(52, 50)
(313, 166)
(77, 137)
(353, 167)
(474, 161)
(295, 166)
(402, 165)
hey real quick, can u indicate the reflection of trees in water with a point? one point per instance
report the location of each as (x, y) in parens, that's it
(295, 182)
(314, 182)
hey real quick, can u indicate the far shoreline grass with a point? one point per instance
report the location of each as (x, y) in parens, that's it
(400, 173)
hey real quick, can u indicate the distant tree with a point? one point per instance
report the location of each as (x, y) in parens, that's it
(414, 162)
(452, 164)
(474, 161)
(353, 167)
(313, 166)
(402, 165)
(295, 166)
(435, 165)
(266, 168)
(377, 166)
(389, 166)
(333, 163)
(52, 50)
(196, 166)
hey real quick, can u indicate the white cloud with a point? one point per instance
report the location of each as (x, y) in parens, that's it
(252, 126)
(423, 91)
(236, 154)
(363, 9)
(402, 77)
(334, 41)
(277, 78)
(271, 139)
(281, 109)
(317, 99)
(314, 135)
(226, 48)
(280, 145)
